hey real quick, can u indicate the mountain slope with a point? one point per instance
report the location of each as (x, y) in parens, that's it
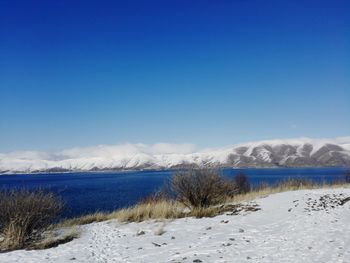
(274, 153)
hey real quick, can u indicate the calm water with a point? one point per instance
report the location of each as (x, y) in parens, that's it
(106, 191)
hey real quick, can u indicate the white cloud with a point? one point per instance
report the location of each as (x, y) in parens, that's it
(116, 151)
(133, 155)
(170, 148)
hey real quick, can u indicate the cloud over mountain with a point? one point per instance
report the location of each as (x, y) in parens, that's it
(300, 152)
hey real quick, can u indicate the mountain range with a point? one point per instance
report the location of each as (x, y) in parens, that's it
(303, 152)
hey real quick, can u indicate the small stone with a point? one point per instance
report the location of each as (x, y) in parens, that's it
(157, 245)
(240, 230)
(139, 233)
(197, 260)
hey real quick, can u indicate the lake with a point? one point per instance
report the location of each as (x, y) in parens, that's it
(106, 191)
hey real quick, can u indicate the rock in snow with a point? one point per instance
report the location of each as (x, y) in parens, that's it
(302, 152)
(317, 229)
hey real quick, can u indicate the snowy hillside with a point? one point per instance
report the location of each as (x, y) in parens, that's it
(300, 226)
(302, 152)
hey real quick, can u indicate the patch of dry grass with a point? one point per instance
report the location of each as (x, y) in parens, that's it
(53, 241)
(205, 212)
(86, 219)
(172, 209)
(24, 215)
(289, 185)
(163, 209)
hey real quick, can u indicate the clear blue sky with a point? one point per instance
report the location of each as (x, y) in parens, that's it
(212, 73)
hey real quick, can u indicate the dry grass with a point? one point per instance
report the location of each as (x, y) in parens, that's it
(164, 209)
(205, 212)
(86, 219)
(53, 241)
(25, 215)
(171, 209)
(289, 185)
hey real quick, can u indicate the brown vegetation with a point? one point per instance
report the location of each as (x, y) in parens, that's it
(25, 215)
(201, 188)
(161, 206)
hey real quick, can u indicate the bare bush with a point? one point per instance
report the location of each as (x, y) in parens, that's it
(242, 183)
(25, 215)
(201, 188)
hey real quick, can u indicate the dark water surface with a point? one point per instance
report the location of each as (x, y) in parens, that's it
(106, 191)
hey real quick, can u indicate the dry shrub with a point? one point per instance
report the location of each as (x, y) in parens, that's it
(201, 188)
(242, 183)
(25, 215)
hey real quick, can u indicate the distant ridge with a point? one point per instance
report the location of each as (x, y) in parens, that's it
(303, 152)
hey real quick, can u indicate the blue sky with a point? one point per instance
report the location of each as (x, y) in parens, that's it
(212, 73)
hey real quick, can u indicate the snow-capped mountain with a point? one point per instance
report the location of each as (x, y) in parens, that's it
(302, 152)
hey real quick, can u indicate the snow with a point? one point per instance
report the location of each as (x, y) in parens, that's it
(161, 155)
(286, 229)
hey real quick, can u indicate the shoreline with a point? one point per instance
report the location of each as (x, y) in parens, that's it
(111, 171)
(292, 231)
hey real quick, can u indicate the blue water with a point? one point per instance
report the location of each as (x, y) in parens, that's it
(106, 191)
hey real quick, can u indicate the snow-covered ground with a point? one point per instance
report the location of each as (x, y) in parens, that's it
(299, 226)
